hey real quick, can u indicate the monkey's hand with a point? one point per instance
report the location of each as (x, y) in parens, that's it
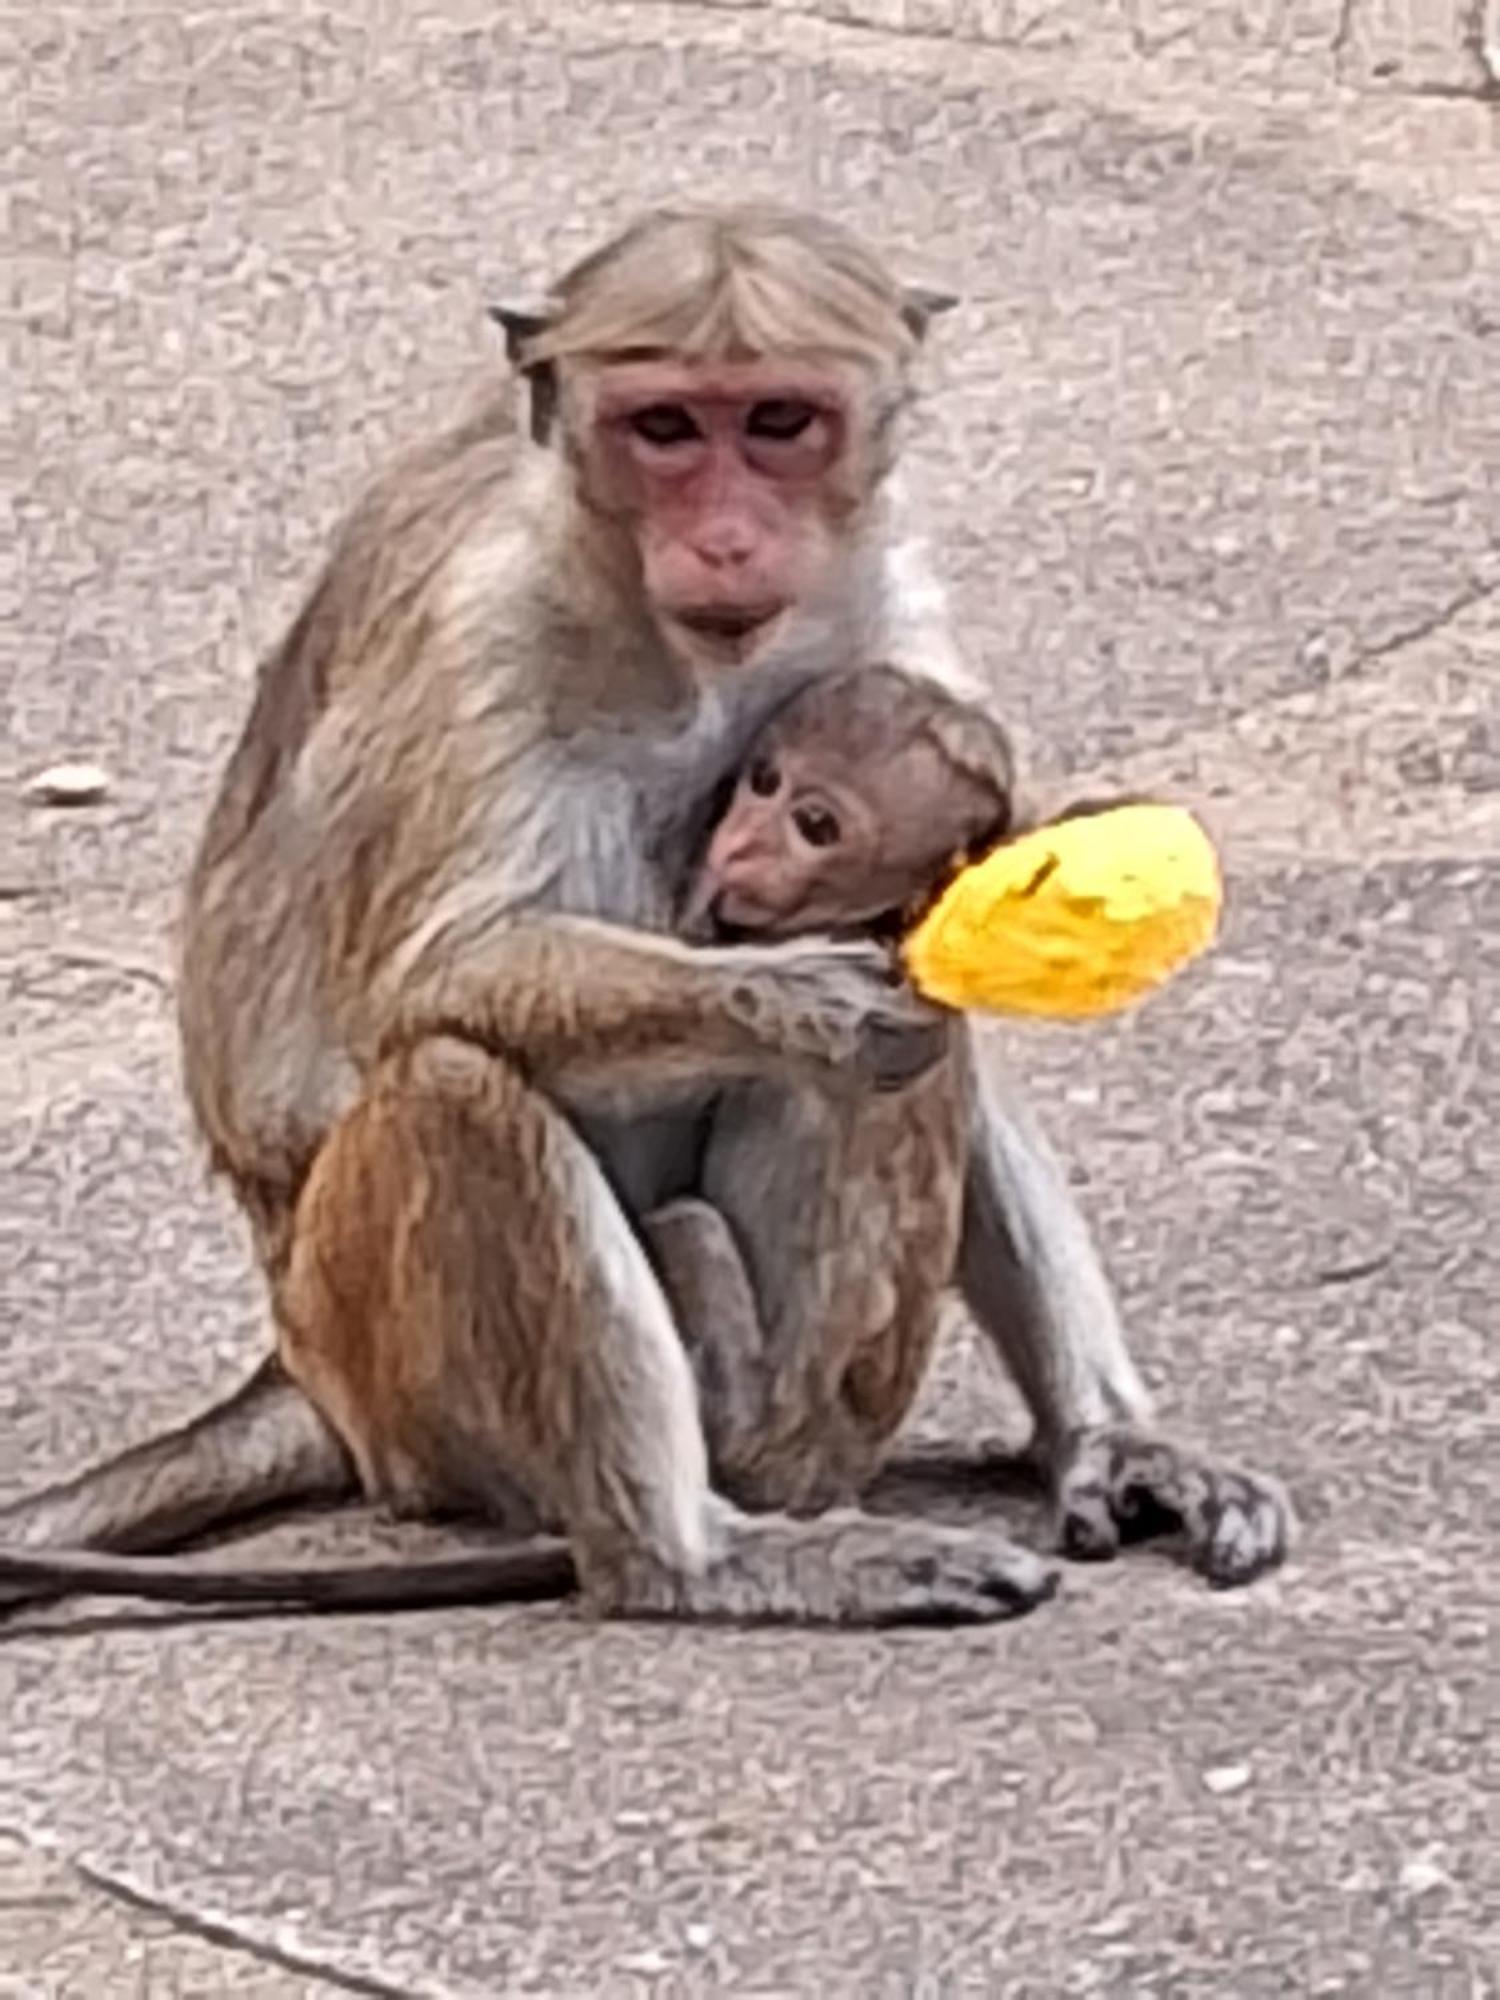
(1114, 1485)
(844, 1008)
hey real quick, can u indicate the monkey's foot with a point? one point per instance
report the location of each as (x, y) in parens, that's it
(968, 1577)
(842, 1569)
(1115, 1485)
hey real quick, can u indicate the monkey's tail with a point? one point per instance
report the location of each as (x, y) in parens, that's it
(263, 1447)
(522, 1574)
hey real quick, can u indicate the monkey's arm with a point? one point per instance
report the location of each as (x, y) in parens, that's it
(603, 1017)
(1032, 1275)
(1033, 1281)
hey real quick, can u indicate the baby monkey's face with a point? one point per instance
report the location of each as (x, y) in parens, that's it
(812, 841)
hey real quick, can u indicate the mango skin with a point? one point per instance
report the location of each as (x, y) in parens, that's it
(1076, 919)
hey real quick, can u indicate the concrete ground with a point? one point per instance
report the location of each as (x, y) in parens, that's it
(1217, 428)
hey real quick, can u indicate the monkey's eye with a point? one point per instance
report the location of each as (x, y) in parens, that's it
(763, 778)
(780, 419)
(817, 826)
(664, 424)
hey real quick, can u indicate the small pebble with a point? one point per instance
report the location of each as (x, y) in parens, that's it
(645, 1961)
(1422, 1873)
(699, 1936)
(1226, 1778)
(69, 785)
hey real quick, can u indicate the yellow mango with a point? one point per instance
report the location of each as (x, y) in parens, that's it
(1072, 920)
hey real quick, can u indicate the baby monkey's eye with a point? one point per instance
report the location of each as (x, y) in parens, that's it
(817, 826)
(664, 424)
(781, 418)
(764, 779)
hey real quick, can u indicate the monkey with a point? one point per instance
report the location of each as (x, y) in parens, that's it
(439, 1040)
(860, 798)
(856, 802)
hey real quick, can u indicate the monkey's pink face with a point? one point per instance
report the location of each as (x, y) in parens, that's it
(819, 836)
(735, 481)
(796, 850)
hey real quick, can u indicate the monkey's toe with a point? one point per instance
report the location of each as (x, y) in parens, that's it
(974, 1582)
(1087, 1531)
(1249, 1531)
(1116, 1486)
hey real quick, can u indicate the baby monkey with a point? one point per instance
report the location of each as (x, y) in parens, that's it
(857, 804)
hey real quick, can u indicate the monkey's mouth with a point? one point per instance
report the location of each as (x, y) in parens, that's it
(706, 921)
(714, 916)
(730, 625)
(723, 930)
(718, 922)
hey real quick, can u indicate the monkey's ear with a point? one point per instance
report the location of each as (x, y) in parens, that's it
(519, 324)
(975, 743)
(921, 305)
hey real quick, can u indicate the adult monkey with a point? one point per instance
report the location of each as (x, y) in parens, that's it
(425, 922)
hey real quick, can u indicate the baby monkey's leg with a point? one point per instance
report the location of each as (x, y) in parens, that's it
(704, 1276)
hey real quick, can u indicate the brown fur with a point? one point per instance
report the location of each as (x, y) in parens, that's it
(933, 780)
(434, 1035)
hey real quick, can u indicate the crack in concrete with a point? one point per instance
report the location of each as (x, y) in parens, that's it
(1022, 41)
(861, 24)
(1470, 40)
(219, 1932)
(1320, 772)
(1412, 635)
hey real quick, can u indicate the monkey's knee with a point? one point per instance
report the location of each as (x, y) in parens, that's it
(694, 1252)
(386, 1309)
(469, 1307)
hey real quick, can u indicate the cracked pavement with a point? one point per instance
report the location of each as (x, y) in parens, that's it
(1211, 449)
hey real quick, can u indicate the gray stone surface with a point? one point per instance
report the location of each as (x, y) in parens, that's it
(1226, 385)
(63, 1936)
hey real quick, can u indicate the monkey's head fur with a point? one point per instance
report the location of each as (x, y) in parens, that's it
(722, 389)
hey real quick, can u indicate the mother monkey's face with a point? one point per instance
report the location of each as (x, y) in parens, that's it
(724, 389)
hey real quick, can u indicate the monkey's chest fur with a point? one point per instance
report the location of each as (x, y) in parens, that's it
(630, 844)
